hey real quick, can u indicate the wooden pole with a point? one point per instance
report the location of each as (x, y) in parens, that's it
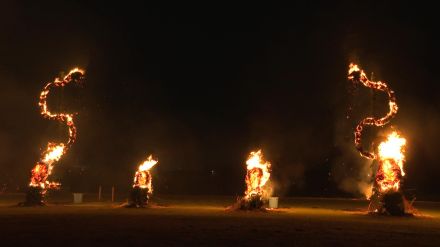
(99, 193)
(113, 193)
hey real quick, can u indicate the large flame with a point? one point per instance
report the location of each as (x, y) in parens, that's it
(143, 178)
(53, 153)
(355, 74)
(43, 168)
(391, 160)
(258, 173)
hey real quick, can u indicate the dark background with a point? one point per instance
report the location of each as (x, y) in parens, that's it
(202, 86)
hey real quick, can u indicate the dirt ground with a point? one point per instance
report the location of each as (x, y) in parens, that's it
(203, 221)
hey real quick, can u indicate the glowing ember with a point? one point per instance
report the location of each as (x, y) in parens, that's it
(258, 173)
(53, 153)
(355, 74)
(391, 158)
(142, 178)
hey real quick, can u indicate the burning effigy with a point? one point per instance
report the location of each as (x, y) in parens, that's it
(142, 184)
(257, 178)
(386, 197)
(42, 170)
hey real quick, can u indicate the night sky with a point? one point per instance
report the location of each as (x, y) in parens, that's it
(199, 87)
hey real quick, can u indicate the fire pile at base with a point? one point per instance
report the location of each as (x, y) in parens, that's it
(257, 177)
(39, 183)
(387, 197)
(142, 184)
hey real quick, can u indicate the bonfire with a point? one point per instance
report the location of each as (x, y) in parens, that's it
(142, 184)
(257, 177)
(387, 197)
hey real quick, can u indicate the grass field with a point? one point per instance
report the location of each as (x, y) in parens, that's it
(203, 221)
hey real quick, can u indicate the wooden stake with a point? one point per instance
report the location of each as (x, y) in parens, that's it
(99, 193)
(113, 193)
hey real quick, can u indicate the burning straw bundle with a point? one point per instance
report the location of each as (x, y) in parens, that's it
(142, 185)
(257, 176)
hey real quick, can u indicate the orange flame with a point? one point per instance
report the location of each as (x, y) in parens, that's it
(258, 173)
(53, 153)
(391, 159)
(355, 74)
(143, 178)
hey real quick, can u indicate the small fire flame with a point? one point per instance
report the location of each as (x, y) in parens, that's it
(53, 153)
(143, 178)
(258, 173)
(391, 159)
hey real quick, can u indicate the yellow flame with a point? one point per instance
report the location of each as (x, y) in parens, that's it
(147, 164)
(391, 160)
(367, 191)
(393, 148)
(72, 71)
(353, 68)
(53, 153)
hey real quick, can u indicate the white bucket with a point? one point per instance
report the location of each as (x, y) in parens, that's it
(273, 202)
(77, 197)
